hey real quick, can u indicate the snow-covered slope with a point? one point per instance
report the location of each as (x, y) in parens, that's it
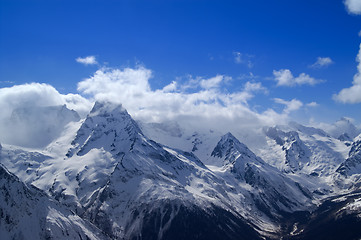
(28, 213)
(273, 191)
(352, 165)
(109, 171)
(337, 218)
(304, 150)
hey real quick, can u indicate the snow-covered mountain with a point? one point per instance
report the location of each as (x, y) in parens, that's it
(352, 165)
(28, 213)
(189, 183)
(338, 217)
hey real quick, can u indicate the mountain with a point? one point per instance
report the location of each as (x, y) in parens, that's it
(352, 165)
(343, 128)
(273, 192)
(28, 213)
(111, 173)
(177, 183)
(337, 218)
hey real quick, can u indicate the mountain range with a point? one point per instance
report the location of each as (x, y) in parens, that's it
(110, 177)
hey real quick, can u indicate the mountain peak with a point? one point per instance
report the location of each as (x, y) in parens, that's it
(229, 148)
(108, 126)
(101, 107)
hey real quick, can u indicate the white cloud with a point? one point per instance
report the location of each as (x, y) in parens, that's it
(170, 87)
(213, 82)
(322, 62)
(89, 60)
(359, 33)
(237, 57)
(284, 77)
(290, 106)
(353, 93)
(241, 58)
(32, 96)
(353, 6)
(202, 103)
(312, 104)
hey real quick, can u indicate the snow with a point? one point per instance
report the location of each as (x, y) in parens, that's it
(112, 172)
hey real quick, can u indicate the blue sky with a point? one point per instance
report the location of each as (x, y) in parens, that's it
(246, 41)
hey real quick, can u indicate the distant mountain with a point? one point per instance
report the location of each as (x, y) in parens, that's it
(343, 128)
(352, 165)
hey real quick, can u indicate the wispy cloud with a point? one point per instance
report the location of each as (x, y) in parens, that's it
(312, 104)
(322, 62)
(353, 6)
(89, 60)
(245, 59)
(284, 77)
(353, 93)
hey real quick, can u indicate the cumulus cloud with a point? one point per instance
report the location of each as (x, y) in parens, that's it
(353, 93)
(322, 62)
(89, 60)
(284, 77)
(213, 82)
(202, 103)
(25, 113)
(290, 106)
(199, 101)
(353, 6)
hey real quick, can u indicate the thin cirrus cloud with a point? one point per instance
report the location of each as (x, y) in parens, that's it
(322, 62)
(312, 104)
(284, 77)
(353, 6)
(246, 59)
(89, 60)
(353, 93)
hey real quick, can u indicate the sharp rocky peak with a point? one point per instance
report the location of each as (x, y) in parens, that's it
(229, 148)
(107, 126)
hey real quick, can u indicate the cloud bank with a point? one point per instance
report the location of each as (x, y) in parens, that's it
(198, 98)
(28, 117)
(353, 93)
(194, 102)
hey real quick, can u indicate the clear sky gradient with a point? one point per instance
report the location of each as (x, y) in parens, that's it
(245, 40)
